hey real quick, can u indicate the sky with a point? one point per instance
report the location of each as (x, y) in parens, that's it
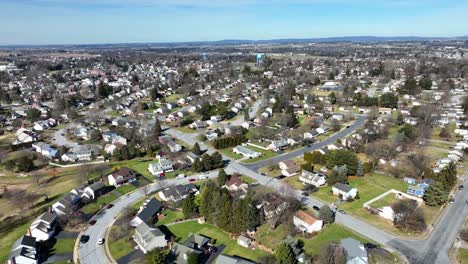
(39, 22)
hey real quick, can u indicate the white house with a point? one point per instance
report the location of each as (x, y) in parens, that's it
(160, 167)
(24, 251)
(148, 238)
(289, 168)
(306, 222)
(344, 191)
(246, 152)
(314, 178)
(43, 227)
(45, 149)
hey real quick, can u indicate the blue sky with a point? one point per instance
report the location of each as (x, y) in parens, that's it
(123, 21)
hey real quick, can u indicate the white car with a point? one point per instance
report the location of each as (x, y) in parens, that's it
(202, 177)
(100, 241)
(180, 176)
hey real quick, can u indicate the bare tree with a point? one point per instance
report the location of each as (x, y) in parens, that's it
(418, 162)
(332, 254)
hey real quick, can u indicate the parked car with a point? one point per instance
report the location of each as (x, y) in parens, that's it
(460, 187)
(92, 222)
(316, 208)
(305, 194)
(100, 241)
(202, 177)
(192, 180)
(180, 176)
(109, 206)
(84, 239)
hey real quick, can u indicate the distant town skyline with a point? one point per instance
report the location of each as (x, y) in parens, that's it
(40, 22)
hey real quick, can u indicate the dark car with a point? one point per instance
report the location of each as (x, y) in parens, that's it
(305, 194)
(369, 246)
(84, 239)
(92, 222)
(316, 208)
(109, 206)
(192, 180)
(460, 188)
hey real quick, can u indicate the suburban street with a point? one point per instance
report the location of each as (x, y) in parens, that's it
(91, 252)
(433, 249)
(329, 140)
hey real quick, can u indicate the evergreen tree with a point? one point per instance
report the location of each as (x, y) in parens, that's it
(157, 128)
(196, 149)
(207, 199)
(332, 98)
(189, 208)
(224, 219)
(156, 256)
(360, 169)
(342, 157)
(197, 165)
(222, 177)
(285, 255)
(436, 194)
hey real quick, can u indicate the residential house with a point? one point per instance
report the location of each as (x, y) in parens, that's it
(272, 205)
(148, 238)
(94, 190)
(24, 251)
(278, 145)
(323, 129)
(179, 253)
(122, 176)
(235, 183)
(149, 210)
(311, 134)
(192, 156)
(178, 193)
(317, 179)
(246, 152)
(161, 167)
(44, 226)
(174, 147)
(68, 203)
(306, 222)
(344, 191)
(289, 168)
(355, 251)
(198, 125)
(45, 149)
(24, 135)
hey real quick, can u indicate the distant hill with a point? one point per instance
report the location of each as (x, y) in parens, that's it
(358, 39)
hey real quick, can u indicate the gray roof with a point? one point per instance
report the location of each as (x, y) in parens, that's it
(343, 187)
(97, 186)
(196, 241)
(179, 250)
(27, 241)
(148, 233)
(354, 249)
(150, 209)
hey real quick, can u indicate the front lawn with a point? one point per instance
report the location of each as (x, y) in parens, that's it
(266, 154)
(247, 179)
(95, 206)
(120, 248)
(228, 152)
(463, 255)
(295, 182)
(126, 188)
(63, 245)
(182, 230)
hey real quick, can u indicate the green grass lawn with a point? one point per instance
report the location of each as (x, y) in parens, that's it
(124, 189)
(330, 233)
(64, 245)
(247, 179)
(266, 154)
(120, 248)
(170, 216)
(436, 131)
(140, 166)
(371, 186)
(228, 152)
(294, 182)
(463, 255)
(182, 230)
(95, 206)
(186, 129)
(325, 194)
(173, 98)
(387, 200)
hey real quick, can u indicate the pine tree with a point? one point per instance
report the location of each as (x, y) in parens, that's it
(207, 199)
(197, 165)
(157, 128)
(196, 149)
(222, 177)
(285, 255)
(224, 218)
(436, 194)
(360, 169)
(189, 208)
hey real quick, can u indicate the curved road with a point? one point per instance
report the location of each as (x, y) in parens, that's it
(91, 252)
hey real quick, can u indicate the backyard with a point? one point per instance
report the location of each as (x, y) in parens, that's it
(182, 230)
